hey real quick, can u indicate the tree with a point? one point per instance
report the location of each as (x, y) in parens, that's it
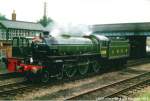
(45, 21)
(2, 17)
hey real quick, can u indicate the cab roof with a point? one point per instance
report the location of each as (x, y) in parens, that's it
(101, 37)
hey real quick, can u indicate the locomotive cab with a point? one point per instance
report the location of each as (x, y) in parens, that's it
(103, 44)
(21, 46)
(43, 46)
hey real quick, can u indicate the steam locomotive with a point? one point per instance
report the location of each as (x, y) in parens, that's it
(40, 58)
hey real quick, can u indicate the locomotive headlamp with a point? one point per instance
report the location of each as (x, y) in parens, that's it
(31, 60)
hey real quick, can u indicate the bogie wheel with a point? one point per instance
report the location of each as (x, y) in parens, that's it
(83, 68)
(30, 77)
(45, 76)
(96, 67)
(70, 71)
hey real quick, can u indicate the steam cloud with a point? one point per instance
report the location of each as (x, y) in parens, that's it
(57, 29)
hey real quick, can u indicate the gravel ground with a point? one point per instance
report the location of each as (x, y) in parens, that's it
(79, 85)
(10, 81)
(141, 95)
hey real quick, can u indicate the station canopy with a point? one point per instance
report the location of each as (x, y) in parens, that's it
(123, 29)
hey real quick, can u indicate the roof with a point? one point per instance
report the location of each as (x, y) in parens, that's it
(142, 26)
(22, 25)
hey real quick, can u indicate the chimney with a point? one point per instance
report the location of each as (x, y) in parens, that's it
(13, 16)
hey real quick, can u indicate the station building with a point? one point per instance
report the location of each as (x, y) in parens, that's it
(13, 28)
(10, 29)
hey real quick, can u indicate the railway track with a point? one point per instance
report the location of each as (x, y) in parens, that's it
(10, 75)
(112, 90)
(135, 62)
(10, 83)
(8, 91)
(129, 93)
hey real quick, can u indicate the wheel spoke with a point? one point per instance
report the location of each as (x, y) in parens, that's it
(96, 67)
(60, 75)
(83, 69)
(70, 71)
(45, 76)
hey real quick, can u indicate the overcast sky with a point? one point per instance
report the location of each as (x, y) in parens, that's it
(79, 11)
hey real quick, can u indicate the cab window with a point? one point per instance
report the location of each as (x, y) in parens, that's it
(104, 43)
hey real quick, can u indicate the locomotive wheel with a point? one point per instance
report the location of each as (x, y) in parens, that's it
(70, 71)
(83, 69)
(45, 76)
(96, 67)
(61, 74)
(30, 77)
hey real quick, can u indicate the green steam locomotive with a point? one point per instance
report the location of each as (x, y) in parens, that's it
(44, 57)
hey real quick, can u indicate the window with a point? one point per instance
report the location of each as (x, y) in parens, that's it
(0, 34)
(15, 42)
(26, 33)
(9, 37)
(10, 33)
(20, 42)
(25, 42)
(33, 34)
(3, 36)
(104, 43)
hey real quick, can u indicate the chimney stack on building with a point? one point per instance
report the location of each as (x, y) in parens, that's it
(13, 16)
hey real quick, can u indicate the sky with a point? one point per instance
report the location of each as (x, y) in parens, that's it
(79, 11)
